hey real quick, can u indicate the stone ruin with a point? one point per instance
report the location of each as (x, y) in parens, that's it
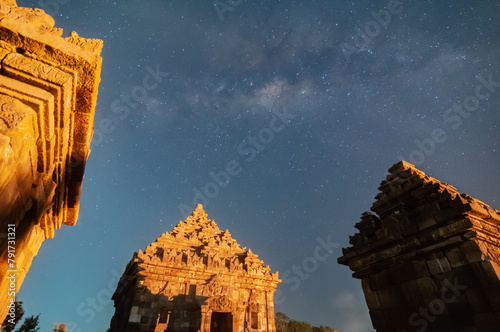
(429, 260)
(195, 278)
(48, 91)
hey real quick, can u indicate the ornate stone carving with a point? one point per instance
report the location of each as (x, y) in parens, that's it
(196, 270)
(222, 304)
(214, 287)
(48, 91)
(32, 17)
(253, 302)
(91, 45)
(11, 112)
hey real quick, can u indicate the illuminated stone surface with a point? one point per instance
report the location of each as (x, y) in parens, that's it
(430, 259)
(195, 278)
(48, 91)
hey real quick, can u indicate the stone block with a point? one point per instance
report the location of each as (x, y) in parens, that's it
(477, 300)
(485, 270)
(486, 321)
(492, 293)
(7, 161)
(378, 321)
(371, 297)
(411, 293)
(427, 289)
(426, 223)
(390, 298)
(438, 265)
(380, 280)
(24, 176)
(455, 257)
(471, 251)
(10, 199)
(408, 271)
(456, 227)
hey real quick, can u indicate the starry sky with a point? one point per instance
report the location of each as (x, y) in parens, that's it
(281, 118)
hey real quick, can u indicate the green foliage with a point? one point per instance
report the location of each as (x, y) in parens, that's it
(19, 312)
(285, 324)
(30, 324)
(324, 329)
(296, 326)
(281, 321)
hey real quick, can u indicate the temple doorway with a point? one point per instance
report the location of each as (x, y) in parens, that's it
(221, 322)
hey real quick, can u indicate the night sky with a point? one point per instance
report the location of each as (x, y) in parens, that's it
(281, 118)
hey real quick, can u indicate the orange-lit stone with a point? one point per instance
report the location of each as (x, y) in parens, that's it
(195, 278)
(48, 91)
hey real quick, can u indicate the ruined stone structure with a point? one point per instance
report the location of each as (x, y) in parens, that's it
(430, 259)
(48, 91)
(195, 278)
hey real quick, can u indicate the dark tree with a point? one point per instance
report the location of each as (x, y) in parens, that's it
(19, 312)
(282, 322)
(296, 326)
(324, 329)
(285, 324)
(30, 324)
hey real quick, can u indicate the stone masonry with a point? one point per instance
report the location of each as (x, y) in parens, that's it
(48, 91)
(195, 278)
(429, 260)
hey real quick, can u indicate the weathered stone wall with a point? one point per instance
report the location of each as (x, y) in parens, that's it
(48, 91)
(192, 279)
(430, 259)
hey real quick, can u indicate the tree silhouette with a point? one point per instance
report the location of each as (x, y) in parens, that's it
(296, 326)
(30, 324)
(19, 312)
(324, 329)
(285, 324)
(281, 321)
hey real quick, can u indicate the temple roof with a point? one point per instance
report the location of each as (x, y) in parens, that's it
(406, 183)
(198, 243)
(416, 214)
(197, 268)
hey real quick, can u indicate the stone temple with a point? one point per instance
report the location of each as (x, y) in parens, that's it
(429, 260)
(195, 278)
(48, 92)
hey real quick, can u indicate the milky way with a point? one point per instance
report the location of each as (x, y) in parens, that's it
(282, 118)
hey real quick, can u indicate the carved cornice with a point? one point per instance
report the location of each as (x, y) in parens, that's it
(57, 78)
(48, 92)
(417, 215)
